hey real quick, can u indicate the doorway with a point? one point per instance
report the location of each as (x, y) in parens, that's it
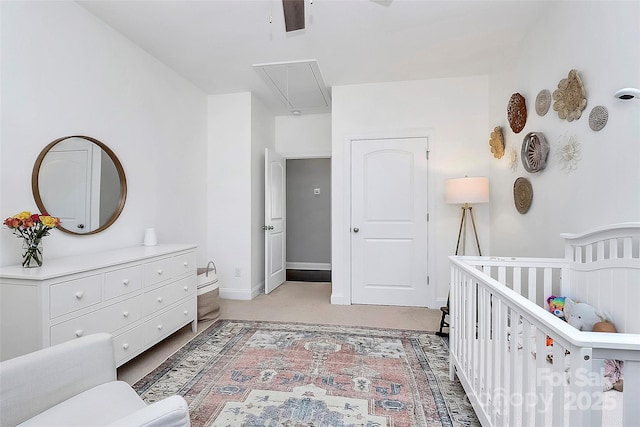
(308, 213)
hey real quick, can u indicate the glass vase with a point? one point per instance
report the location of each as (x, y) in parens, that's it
(32, 253)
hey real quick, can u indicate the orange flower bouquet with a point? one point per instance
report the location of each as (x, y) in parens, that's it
(31, 228)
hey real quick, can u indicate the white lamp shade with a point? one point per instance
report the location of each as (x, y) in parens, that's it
(467, 190)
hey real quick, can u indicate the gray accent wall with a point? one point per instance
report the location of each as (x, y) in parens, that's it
(308, 214)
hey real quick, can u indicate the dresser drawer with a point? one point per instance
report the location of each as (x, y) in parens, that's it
(128, 344)
(122, 282)
(169, 322)
(73, 295)
(185, 263)
(108, 319)
(157, 271)
(164, 296)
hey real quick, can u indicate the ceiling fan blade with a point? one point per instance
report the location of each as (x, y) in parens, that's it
(293, 14)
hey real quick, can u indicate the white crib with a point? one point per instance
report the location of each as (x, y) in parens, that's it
(500, 324)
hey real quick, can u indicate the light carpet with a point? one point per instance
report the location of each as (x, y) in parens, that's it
(251, 373)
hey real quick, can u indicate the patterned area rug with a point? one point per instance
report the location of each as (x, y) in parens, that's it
(246, 373)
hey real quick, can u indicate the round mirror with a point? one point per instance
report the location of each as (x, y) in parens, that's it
(81, 181)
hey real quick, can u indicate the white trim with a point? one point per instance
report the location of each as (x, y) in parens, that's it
(236, 294)
(309, 266)
(428, 134)
(319, 155)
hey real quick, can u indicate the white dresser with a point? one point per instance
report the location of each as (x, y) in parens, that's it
(140, 294)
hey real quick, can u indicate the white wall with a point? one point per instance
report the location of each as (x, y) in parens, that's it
(307, 135)
(262, 136)
(455, 112)
(64, 72)
(228, 195)
(600, 40)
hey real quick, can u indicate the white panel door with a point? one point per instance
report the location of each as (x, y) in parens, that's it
(389, 222)
(67, 190)
(274, 221)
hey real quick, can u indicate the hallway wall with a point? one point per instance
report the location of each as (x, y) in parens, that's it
(309, 214)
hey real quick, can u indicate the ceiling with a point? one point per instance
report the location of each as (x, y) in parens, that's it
(215, 43)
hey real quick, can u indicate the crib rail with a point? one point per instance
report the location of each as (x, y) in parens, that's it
(499, 347)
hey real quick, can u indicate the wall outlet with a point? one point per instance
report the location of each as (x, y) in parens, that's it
(237, 272)
(316, 191)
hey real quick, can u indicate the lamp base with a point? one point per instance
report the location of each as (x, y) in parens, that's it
(467, 211)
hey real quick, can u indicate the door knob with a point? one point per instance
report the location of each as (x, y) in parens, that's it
(264, 227)
(271, 227)
(80, 225)
(356, 229)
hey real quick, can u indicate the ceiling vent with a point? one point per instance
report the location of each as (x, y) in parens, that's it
(298, 84)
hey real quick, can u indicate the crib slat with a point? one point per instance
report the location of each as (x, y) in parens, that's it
(548, 286)
(600, 250)
(627, 247)
(514, 388)
(541, 367)
(502, 274)
(630, 407)
(594, 390)
(517, 280)
(532, 285)
(506, 362)
(526, 368)
(579, 402)
(557, 379)
(613, 249)
(497, 341)
(589, 254)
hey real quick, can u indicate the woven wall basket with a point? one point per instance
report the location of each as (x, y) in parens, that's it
(522, 194)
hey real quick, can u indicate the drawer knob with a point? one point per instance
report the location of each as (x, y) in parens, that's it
(79, 294)
(125, 346)
(79, 333)
(125, 282)
(185, 263)
(159, 327)
(186, 312)
(125, 314)
(159, 272)
(186, 288)
(159, 299)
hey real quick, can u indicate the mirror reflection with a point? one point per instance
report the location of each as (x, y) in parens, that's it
(79, 180)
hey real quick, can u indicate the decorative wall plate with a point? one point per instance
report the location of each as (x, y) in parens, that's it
(570, 97)
(517, 112)
(543, 102)
(497, 142)
(598, 117)
(569, 153)
(522, 194)
(512, 158)
(534, 152)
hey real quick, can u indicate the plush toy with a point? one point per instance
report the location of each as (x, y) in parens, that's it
(582, 316)
(613, 376)
(556, 306)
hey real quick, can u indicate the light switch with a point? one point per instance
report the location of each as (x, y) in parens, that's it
(316, 191)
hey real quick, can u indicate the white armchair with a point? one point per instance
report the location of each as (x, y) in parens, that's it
(74, 384)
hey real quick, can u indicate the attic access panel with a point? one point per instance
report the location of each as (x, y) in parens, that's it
(298, 84)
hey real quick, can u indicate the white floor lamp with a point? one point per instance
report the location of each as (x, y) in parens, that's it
(466, 191)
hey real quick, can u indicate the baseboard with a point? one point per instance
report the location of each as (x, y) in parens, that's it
(340, 300)
(308, 266)
(226, 293)
(440, 302)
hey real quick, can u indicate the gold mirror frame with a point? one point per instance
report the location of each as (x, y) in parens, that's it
(123, 182)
